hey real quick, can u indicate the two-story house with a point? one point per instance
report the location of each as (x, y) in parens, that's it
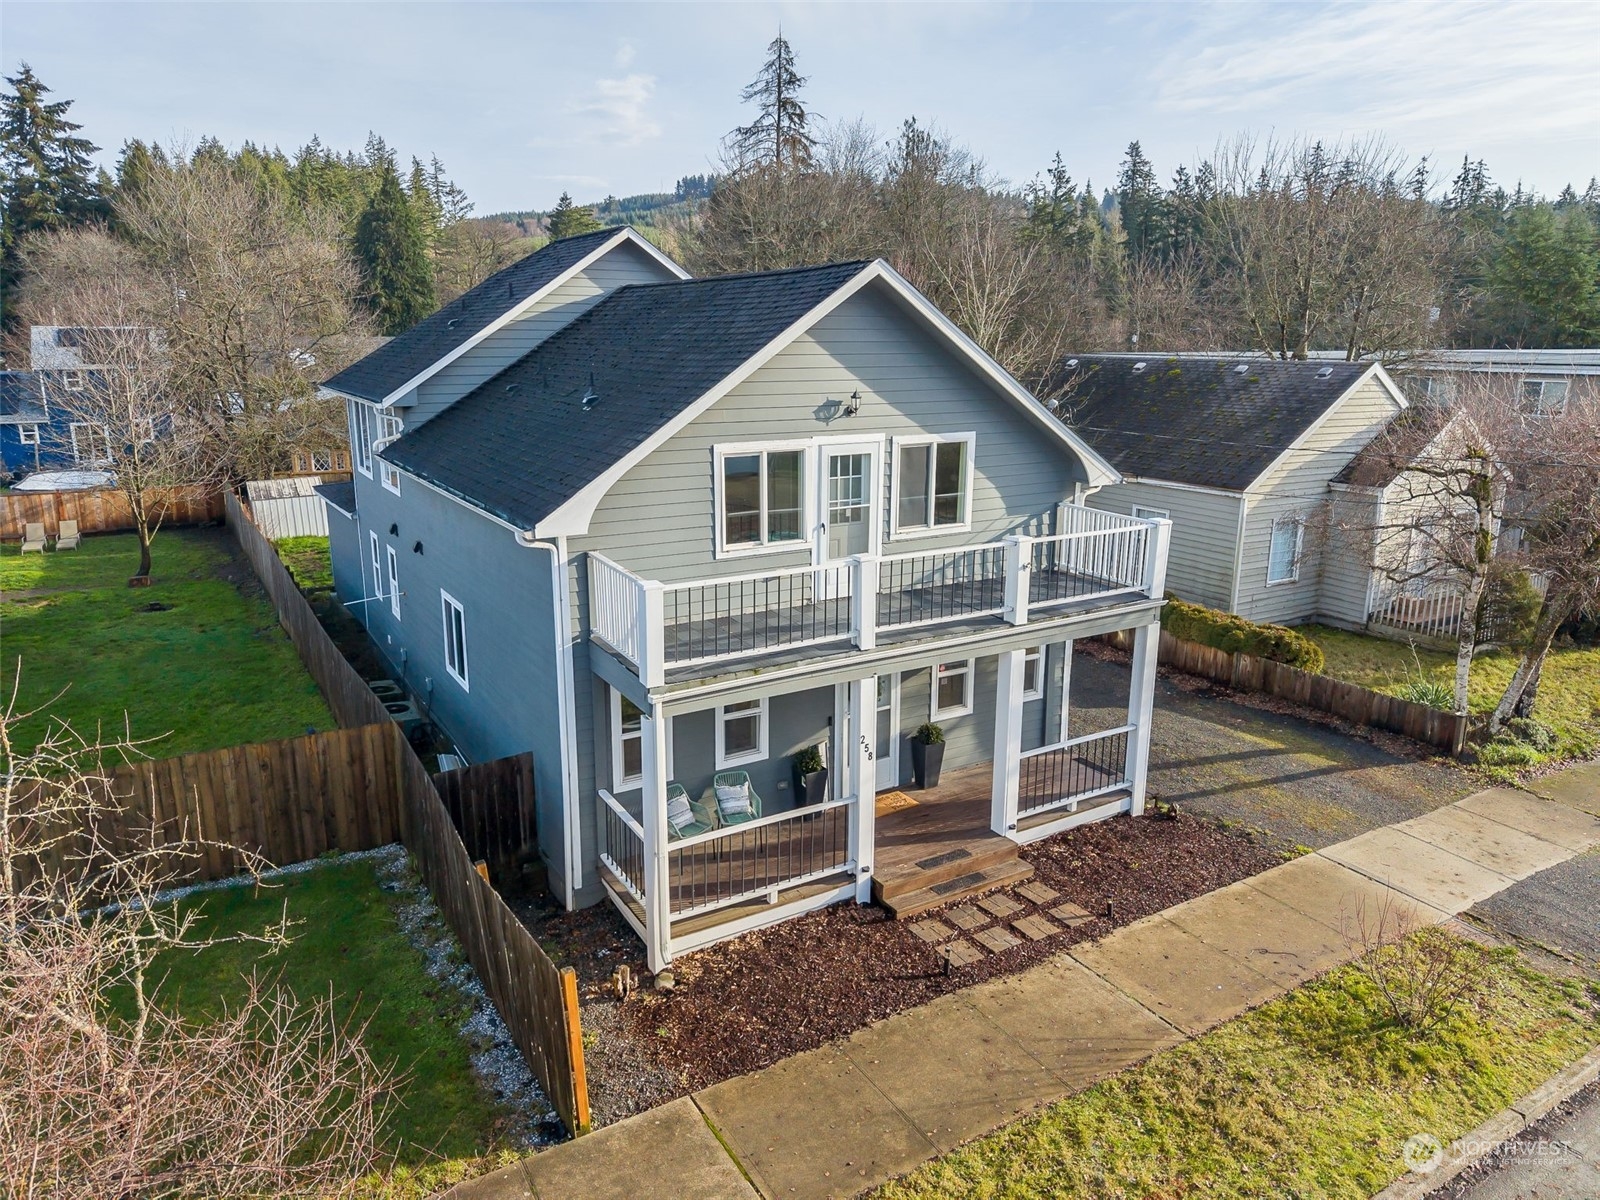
(669, 533)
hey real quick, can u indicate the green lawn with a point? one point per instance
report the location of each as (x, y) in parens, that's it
(1313, 1094)
(193, 660)
(348, 943)
(309, 562)
(1569, 692)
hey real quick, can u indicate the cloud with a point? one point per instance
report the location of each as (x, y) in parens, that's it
(624, 57)
(617, 111)
(1418, 71)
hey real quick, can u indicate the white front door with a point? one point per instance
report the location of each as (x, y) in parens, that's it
(886, 744)
(849, 507)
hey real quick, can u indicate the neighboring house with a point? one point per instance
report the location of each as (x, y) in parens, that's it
(655, 529)
(26, 444)
(1240, 454)
(59, 357)
(1543, 380)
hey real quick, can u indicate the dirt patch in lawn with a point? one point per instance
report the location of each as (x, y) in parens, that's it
(746, 1004)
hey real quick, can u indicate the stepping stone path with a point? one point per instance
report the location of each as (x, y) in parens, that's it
(960, 953)
(931, 930)
(996, 939)
(1035, 892)
(966, 917)
(1036, 927)
(1000, 904)
(1071, 914)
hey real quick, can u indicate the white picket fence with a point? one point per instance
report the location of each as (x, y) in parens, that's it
(1431, 610)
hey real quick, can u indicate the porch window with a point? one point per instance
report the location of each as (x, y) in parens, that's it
(741, 733)
(389, 429)
(1033, 673)
(759, 498)
(455, 638)
(1283, 556)
(932, 484)
(361, 436)
(394, 583)
(28, 435)
(952, 689)
(627, 742)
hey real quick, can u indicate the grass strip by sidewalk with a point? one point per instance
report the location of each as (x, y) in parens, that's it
(1313, 1094)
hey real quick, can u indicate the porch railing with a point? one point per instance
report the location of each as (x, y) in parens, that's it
(656, 625)
(759, 858)
(622, 845)
(1068, 773)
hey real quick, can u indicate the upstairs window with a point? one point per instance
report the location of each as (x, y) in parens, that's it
(388, 429)
(28, 435)
(455, 638)
(361, 436)
(1544, 397)
(1283, 556)
(932, 480)
(72, 380)
(759, 498)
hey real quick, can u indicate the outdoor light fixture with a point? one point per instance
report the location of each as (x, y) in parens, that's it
(853, 405)
(394, 531)
(417, 549)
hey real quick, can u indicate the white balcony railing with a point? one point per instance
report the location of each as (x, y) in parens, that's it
(653, 625)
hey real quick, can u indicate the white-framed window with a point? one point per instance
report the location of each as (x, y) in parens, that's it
(1544, 397)
(361, 436)
(1151, 514)
(90, 443)
(932, 485)
(377, 569)
(28, 435)
(952, 689)
(394, 582)
(741, 733)
(760, 498)
(627, 743)
(455, 638)
(1283, 554)
(1033, 673)
(389, 428)
(144, 429)
(72, 381)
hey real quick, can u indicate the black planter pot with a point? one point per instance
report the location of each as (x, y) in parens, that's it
(811, 788)
(926, 761)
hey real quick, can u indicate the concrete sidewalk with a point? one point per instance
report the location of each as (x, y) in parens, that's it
(848, 1116)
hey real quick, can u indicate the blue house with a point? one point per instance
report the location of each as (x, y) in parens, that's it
(690, 540)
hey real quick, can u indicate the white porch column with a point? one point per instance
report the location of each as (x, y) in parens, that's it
(1007, 744)
(864, 780)
(657, 896)
(1141, 707)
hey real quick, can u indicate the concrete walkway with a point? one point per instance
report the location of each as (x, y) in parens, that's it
(848, 1116)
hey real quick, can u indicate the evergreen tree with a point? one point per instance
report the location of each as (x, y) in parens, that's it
(780, 135)
(1140, 202)
(1543, 285)
(568, 220)
(46, 174)
(392, 248)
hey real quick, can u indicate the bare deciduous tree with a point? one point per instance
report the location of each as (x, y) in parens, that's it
(104, 1090)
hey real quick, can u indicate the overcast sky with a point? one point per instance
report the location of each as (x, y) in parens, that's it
(522, 101)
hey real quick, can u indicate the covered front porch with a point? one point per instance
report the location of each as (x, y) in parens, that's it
(1014, 770)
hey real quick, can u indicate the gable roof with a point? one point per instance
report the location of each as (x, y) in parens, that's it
(523, 447)
(1201, 420)
(1386, 457)
(22, 398)
(404, 361)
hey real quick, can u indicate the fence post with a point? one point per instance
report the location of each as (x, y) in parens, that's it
(864, 601)
(1019, 566)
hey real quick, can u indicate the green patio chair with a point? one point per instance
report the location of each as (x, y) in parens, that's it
(727, 806)
(686, 817)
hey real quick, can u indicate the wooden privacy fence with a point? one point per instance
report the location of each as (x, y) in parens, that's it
(537, 1000)
(1359, 705)
(102, 510)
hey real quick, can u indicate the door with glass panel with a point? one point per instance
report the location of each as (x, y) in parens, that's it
(849, 493)
(886, 743)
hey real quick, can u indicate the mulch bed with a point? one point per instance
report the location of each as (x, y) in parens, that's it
(746, 1004)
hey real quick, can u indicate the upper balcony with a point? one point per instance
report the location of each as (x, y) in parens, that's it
(1101, 560)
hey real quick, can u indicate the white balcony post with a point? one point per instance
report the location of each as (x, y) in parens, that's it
(1019, 566)
(657, 888)
(1066, 690)
(1007, 745)
(1157, 542)
(651, 634)
(864, 601)
(863, 769)
(1141, 708)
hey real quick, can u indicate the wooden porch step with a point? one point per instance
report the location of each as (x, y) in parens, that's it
(959, 887)
(914, 866)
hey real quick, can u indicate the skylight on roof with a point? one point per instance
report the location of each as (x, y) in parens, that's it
(1072, 362)
(1325, 373)
(1139, 366)
(1241, 368)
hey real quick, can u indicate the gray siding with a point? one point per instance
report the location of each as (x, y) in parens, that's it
(1299, 488)
(626, 264)
(1205, 531)
(1347, 560)
(344, 550)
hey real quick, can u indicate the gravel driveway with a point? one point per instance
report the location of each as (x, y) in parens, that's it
(1294, 781)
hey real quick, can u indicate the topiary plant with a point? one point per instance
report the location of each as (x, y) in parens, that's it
(808, 760)
(929, 734)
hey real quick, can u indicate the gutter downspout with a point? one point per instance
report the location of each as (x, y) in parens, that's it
(566, 706)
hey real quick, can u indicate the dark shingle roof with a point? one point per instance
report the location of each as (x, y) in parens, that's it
(1382, 460)
(521, 444)
(22, 397)
(341, 495)
(402, 358)
(1195, 419)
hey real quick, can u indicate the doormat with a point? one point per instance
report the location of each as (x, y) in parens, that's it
(890, 802)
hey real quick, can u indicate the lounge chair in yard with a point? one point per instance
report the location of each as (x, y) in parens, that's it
(686, 817)
(33, 537)
(737, 801)
(67, 538)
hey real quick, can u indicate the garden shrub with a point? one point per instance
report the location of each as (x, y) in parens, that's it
(1235, 635)
(1510, 607)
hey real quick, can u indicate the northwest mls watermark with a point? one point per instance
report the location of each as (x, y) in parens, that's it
(1422, 1152)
